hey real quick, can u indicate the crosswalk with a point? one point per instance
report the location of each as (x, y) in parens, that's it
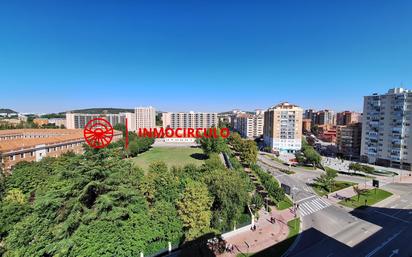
(312, 205)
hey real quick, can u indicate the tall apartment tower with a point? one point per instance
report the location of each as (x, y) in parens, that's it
(250, 125)
(348, 117)
(326, 117)
(386, 129)
(189, 120)
(145, 117)
(348, 140)
(283, 127)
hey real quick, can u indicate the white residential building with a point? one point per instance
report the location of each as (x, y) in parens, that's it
(189, 120)
(143, 117)
(250, 125)
(386, 129)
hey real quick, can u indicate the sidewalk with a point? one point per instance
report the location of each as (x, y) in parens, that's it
(348, 192)
(266, 234)
(404, 179)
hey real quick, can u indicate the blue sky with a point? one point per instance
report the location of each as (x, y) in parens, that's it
(201, 55)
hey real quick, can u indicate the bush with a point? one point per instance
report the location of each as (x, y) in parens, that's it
(269, 183)
(359, 167)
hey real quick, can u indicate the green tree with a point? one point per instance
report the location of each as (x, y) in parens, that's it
(15, 195)
(230, 197)
(257, 201)
(194, 209)
(327, 180)
(235, 140)
(312, 156)
(248, 152)
(359, 191)
(214, 162)
(210, 144)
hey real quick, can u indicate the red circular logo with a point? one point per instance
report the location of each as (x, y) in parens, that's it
(98, 133)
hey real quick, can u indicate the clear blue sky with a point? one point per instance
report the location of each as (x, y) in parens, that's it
(201, 55)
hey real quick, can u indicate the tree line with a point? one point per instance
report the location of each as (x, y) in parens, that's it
(100, 204)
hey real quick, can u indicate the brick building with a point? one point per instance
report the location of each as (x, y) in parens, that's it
(34, 144)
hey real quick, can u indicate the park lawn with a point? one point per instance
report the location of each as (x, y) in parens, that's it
(285, 204)
(172, 156)
(371, 197)
(294, 227)
(336, 187)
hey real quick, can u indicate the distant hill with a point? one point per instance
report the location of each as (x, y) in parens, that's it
(101, 110)
(231, 112)
(7, 111)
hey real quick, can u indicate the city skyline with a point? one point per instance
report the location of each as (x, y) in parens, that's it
(251, 109)
(201, 56)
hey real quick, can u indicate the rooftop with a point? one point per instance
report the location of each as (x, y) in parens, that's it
(52, 136)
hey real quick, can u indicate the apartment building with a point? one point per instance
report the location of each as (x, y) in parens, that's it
(306, 125)
(348, 140)
(79, 120)
(34, 144)
(59, 122)
(311, 115)
(386, 129)
(283, 127)
(143, 117)
(189, 120)
(250, 125)
(348, 117)
(40, 122)
(325, 117)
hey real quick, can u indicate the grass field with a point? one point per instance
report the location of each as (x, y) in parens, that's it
(336, 187)
(172, 156)
(286, 203)
(371, 196)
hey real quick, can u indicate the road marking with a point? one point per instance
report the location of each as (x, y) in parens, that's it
(393, 217)
(384, 243)
(301, 200)
(394, 252)
(312, 205)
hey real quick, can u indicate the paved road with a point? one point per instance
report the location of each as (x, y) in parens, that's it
(299, 189)
(384, 231)
(330, 230)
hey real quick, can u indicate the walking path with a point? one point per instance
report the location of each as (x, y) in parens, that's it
(266, 234)
(348, 192)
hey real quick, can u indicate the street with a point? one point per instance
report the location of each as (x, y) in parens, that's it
(339, 231)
